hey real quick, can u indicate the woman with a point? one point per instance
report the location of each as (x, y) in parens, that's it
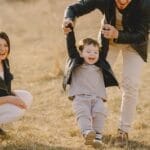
(13, 104)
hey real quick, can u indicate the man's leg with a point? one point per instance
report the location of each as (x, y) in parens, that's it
(132, 68)
(113, 54)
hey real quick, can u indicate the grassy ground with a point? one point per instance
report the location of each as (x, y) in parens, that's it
(37, 60)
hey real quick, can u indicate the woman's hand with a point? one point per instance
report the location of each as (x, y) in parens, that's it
(16, 101)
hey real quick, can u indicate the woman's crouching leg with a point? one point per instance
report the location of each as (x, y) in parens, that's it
(10, 113)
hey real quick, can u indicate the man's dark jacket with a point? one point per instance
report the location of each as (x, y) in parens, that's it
(136, 21)
(5, 84)
(75, 60)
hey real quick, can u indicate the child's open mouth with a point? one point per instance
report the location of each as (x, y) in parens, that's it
(91, 58)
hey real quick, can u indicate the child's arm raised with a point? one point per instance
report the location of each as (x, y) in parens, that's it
(71, 44)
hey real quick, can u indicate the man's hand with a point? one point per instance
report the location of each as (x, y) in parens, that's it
(66, 22)
(110, 32)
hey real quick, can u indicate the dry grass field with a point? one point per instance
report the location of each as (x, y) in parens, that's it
(37, 60)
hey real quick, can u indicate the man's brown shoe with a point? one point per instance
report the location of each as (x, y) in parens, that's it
(2, 132)
(121, 139)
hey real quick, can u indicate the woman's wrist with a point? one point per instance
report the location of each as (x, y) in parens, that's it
(8, 99)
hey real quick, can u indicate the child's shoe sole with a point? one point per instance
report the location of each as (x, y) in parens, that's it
(98, 144)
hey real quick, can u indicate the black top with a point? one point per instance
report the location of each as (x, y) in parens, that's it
(5, 84)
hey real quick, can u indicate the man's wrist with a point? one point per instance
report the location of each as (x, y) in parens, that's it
(116, 35)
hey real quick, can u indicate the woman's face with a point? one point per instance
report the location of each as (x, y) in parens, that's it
(122, 4)
(3, 49)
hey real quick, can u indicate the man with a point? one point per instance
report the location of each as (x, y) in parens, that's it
(125, 27)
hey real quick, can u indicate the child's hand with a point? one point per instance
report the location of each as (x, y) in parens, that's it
(66, 25)
(17, 102)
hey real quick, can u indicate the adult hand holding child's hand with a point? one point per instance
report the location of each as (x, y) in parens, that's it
(66, 27)
(110, 32)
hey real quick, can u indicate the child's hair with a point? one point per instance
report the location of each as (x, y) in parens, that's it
(87, 41)
(4, 36)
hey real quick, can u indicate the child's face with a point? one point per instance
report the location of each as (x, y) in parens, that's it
(3, 49)
(90, 54)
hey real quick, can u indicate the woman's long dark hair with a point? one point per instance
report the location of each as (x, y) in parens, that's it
(4, 36)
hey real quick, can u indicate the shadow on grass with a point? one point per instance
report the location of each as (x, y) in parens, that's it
(133, 145)
(5, 144)
(109, 140)
(35, 146)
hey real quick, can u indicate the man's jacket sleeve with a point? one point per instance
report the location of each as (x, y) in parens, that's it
(82, 7)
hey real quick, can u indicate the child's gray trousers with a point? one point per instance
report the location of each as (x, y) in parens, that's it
(90, 112)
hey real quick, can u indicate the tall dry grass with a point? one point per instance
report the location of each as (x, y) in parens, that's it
(37, 58)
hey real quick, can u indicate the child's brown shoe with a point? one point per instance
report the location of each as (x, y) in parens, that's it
(89, 136)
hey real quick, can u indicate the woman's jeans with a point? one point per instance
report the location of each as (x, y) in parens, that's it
(10, 112)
